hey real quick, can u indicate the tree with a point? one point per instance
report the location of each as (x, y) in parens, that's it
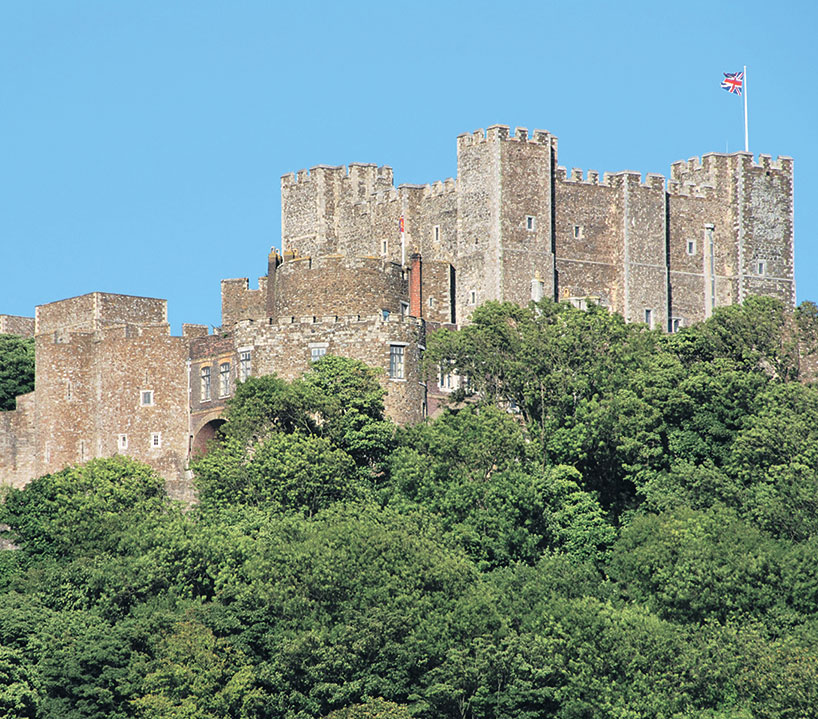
(83, 509)
(16, 369)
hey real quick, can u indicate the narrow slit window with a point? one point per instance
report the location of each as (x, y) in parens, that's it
(649, 318)
(762, 267)
(691, 247)
(577, 232)
(146, 397)
(530, 223)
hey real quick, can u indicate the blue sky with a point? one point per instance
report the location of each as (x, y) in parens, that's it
(142, 143)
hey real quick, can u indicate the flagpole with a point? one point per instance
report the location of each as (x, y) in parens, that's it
(746, 129)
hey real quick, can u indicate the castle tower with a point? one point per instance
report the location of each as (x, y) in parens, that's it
(505, 216)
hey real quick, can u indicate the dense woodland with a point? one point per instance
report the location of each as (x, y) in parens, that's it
(607, 522)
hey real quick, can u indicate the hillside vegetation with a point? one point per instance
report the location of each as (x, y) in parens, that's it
(608, 522)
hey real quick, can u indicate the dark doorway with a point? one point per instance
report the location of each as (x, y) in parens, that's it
(205, 436)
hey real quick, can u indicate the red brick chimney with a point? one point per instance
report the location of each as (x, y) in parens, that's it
(415, 294)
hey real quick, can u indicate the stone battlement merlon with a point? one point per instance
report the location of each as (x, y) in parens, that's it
(502, 133)
(720, 160)
(381, 174)
(393, 318)
(651, 180)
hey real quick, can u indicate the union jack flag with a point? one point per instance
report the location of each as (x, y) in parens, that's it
(400, 225)
(733, 82)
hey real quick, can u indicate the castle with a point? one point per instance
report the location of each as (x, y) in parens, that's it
(368, 269)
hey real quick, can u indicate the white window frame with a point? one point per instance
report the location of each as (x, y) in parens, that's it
(397, 368)
(146, 394)
(761, 267)
(121, 442)
(691, 247)
(649, 317)
(245, 363)
(224, 379)
(317, 350)
(205, 383)
(404, 309)
(531, 223)
(156, 440)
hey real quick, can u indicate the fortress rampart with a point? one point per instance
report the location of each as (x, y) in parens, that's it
(367, 269)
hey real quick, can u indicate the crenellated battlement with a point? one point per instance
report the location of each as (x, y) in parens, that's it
(354, 172)
(651, 180)
(502, 133)
(690, 189)
(719, 161)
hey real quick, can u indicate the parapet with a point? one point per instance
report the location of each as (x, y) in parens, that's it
(712, 161)
(93, 311)
(191, 330)
(651, 181)
(16, 325)
(502, 133)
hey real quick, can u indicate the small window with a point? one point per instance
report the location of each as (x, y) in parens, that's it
(68, 391)
(530, 223)
(156, 440)
(316, 353)
(676, 325)
(437, 233)
(431, 302)
(762, 267)
(691, 247)
(649, 318)
(205, 385)
(577, 232)
(404, 309)
(472, 297)
(385, 314)
(146, 397)
(224, 379)
(245, 365)
(396, 363)
(122, 442)
(384, 247)
(446, 380)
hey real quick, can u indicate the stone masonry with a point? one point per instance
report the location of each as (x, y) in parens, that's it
(369, 269)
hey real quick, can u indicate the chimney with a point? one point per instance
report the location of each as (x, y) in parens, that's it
(415, 280)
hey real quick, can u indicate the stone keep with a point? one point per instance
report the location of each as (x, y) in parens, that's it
(514, 226)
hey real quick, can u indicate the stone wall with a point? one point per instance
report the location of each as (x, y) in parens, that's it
(339, 285)
(16, 325)
(285, 349)
(239, 302)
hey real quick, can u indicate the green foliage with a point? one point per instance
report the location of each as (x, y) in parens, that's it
(372, 709)
(614, 523)
(83, 509)
(16, 369)
(18, 699)
(284, 471)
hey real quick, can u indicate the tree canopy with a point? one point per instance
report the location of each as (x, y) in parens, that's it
(605, 522)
